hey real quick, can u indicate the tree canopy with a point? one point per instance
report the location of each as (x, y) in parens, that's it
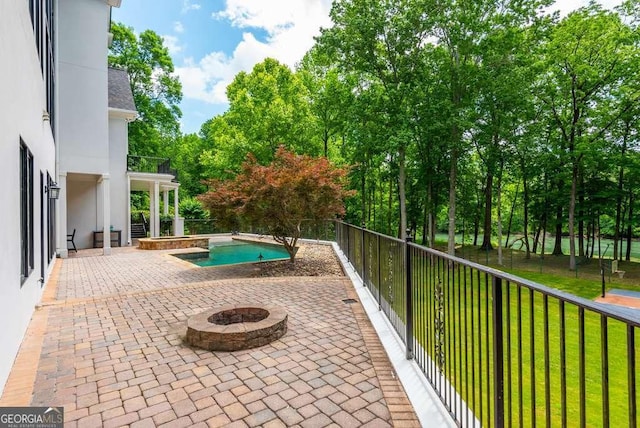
(157, 92)
(478, 119)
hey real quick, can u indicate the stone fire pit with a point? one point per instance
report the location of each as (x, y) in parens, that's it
(235, 327)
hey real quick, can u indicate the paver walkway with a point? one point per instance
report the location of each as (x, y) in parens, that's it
(112, 354)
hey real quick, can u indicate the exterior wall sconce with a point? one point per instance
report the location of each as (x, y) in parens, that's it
(53, 190)
(45, 116)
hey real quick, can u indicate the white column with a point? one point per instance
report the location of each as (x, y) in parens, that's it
(61, 216)
(127, 233)
(165, 202)
(156, 209)
(151, 205)
(106, 214)
(176, 225)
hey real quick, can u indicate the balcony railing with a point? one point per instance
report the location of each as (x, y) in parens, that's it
(501, 350)
(151, 164)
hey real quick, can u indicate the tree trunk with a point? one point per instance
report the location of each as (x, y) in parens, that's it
(325, 140)
(451, 244)
(586, 251)
(426, 227)
(390, 203)
(488, 194)
(536, 237)
(572, 214)
(401, 192)
(629, 225)
(513, 207)
(557, 248)
(593, 236)
(616, 233)
(372, 209)
(544, 235)
(476, 223)
(581, 219)
(525, 226)
(499, 221)
(599, 238)
(363, 183)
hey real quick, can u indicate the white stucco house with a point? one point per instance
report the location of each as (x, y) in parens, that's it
(63, 125)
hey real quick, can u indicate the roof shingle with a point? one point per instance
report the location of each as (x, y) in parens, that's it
(120, 95)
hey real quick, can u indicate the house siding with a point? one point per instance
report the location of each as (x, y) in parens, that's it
(22, 104)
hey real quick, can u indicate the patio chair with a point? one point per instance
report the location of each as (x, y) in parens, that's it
(70, 238)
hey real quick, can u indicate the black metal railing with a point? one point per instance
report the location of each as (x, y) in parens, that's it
(501, 350)
(151, 164)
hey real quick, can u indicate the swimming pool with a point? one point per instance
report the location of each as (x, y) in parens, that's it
(235, 252)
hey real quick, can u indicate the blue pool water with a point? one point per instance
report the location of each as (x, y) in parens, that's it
(234, 252)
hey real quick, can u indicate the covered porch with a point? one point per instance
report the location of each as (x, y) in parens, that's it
(158, 185)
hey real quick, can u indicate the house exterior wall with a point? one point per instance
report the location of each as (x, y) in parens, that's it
(22, 103)
(82, 86)
(84, 125)
(118, 149)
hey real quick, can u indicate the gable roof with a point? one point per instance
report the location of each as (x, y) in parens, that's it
(120, 95)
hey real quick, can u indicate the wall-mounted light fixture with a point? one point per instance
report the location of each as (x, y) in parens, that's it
(53, 190)
(45, 116)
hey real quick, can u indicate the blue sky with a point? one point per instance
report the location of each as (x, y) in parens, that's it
(211, 41)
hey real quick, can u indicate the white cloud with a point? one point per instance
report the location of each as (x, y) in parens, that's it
(187, 6)
(172, 43)
(290, 26)
(207, 79)
(178, 27)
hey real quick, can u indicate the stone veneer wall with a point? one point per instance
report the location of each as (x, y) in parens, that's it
(172, 243)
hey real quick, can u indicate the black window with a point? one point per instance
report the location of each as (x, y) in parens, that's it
(26, 212)
(42, 19)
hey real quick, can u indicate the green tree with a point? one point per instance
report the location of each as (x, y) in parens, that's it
(587, 68)
(157, 92)
(330, 97)
(269, 107)
(380, 43)
(187, 157)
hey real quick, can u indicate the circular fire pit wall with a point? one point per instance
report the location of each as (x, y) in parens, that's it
(235, 327)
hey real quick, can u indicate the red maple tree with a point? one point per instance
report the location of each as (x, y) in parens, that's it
(279, 196)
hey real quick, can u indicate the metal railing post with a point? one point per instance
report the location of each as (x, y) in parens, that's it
(409, 297)
(364, 263)
(498, 351)
(379, 275)
(348, 244)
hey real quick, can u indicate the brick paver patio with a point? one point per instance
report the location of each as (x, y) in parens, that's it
(106, 344)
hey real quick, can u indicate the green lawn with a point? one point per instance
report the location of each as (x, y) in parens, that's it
(468, 353)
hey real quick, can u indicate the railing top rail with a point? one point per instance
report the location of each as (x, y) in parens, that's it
(390, 238)
(629, 316)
